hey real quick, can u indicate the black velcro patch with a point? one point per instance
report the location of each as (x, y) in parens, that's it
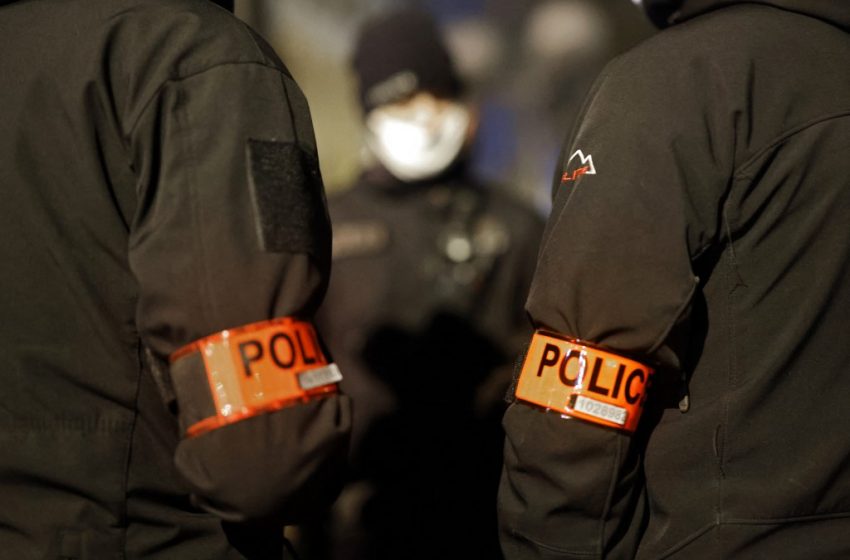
(288, 196)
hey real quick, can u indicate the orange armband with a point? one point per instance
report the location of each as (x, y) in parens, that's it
(241, 372)
(580, 381)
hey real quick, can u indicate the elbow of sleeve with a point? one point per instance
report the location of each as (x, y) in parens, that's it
(569, 489)
(284, 465)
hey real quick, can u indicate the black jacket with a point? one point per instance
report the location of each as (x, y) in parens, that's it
(712, 239)
(159, 183)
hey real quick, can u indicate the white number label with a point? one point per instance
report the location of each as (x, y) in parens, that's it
(601, 410)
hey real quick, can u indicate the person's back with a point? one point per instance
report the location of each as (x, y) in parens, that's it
(766, 425)
(712, 237)
(126, 129)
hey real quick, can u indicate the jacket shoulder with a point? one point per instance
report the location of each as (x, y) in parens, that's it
(185, 36)
(726, 38)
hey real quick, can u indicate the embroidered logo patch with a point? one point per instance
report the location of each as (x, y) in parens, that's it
(578, 165)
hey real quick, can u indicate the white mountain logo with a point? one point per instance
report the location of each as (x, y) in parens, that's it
(578, 165)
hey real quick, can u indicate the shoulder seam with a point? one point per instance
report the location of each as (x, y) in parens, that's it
(741, 171)
(176, 79)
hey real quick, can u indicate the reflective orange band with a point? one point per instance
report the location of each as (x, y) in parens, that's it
(258, 368)
(580, 381)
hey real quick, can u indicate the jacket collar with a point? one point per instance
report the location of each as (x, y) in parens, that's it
(836, 12)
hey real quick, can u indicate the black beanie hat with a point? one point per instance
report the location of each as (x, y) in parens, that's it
(660, 11)
(399, 54)
(226, 4)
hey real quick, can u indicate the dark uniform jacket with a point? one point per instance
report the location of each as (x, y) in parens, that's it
(424, 314)
(701, 222)
(127, 132)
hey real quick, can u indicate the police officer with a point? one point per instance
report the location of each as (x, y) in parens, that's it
(423, 312)
(699, 230)
(165, 244)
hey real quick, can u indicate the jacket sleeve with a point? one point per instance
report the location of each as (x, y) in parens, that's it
(636, 205)
(231, 228)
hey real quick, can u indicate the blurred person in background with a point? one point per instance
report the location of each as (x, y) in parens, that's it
(524, 65)
(699, 229)
(424, 310)
(165, 245)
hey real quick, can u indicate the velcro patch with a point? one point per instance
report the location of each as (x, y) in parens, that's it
(288, 197)
(580, 381)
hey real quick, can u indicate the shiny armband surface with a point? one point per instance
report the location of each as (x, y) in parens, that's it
(568, 376)
(249, 370)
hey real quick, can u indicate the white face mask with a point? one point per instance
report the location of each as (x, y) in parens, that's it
(420, 138)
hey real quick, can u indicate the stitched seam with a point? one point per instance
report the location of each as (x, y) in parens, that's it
(556, 549)
(198, 239)
(747, 522)
(784, 520)
(679, 312)
(687, 540)
(177, 79)
(259, 52)
(721, 434)
(612, 486)
(291, 112)
(128, 456)
(741, 171)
